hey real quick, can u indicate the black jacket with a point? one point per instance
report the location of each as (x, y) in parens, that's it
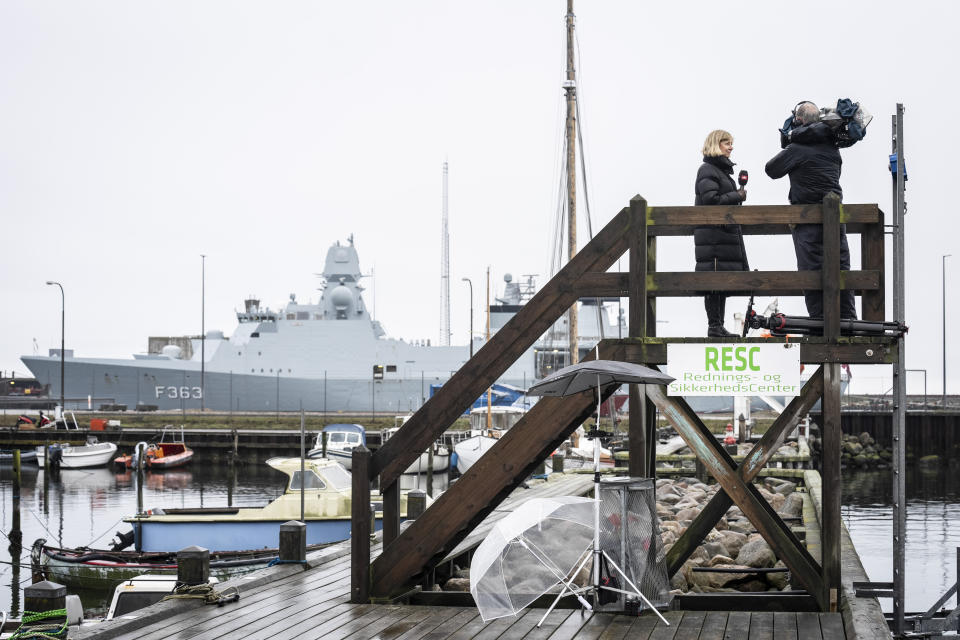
(718, 247)
(812, 161)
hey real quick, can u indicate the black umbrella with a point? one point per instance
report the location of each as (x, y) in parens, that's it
(594, 374)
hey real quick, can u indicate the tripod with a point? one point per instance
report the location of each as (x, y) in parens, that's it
(596, 553)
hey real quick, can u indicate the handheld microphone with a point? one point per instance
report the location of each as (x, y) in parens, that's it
(742, 178)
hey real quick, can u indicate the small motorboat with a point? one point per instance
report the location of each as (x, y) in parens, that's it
(341, 439)
(84, 456)
(170, 452)
(76, 456)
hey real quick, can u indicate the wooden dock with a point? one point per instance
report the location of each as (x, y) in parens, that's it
(313, 601)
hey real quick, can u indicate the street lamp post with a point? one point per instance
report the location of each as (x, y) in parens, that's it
(203, 328)
(944, 297)
(467, 280)
(63, 325)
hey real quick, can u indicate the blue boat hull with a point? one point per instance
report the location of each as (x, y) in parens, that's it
(232, 536)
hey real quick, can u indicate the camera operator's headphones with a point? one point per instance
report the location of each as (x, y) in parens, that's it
(796, 120)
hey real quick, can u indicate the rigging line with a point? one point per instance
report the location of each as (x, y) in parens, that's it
(49, 533)
(119, 520)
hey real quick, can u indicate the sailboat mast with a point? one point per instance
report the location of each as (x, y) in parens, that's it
(445, 267)
(570, 86)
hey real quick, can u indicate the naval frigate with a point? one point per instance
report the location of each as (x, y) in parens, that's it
(328, 356)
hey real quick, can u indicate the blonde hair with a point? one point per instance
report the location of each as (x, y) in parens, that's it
(711, 146)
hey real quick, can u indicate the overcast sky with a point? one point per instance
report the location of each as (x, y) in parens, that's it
(136, 136)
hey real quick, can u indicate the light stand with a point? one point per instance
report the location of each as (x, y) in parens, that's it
(595, 435)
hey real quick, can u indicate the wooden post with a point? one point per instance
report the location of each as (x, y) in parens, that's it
(830, 470)
(361, 521)
(872, 257)
(391, 512)
(416, 504)
(830, 270)
(44, 596)
(556, 463)
(832, 434)
(637, 429)
(293, 541)
(193, 565)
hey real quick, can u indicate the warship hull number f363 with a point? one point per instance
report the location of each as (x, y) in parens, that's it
(178, 392)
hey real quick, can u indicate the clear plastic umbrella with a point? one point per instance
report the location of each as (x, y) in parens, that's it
(529, 552)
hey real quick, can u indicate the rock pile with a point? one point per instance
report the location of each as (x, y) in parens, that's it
(861, 452)
(733, 543)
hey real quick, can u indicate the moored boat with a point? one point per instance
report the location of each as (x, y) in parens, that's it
(85, 456)
(169, 453)
(341, 440)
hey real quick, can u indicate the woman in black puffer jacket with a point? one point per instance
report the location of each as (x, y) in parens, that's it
(718, 247)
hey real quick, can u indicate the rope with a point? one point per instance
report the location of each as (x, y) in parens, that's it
(204, 592)
(277, 560)
(41, 631)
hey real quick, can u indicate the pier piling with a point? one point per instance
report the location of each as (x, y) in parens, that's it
(193, 565)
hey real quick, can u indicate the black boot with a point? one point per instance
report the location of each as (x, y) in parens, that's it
(715, 303)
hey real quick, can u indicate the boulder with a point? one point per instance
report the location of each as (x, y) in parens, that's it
(733, 541)
(668, 498)
(678, 581)
(715, 549)
(865, 439)
(741, 526)
(457, 584)
(715, 560)
(778, 580)
(753, 586)
(716, 580)
(756, 553)
(929, 461)
(793, 506)
(687, 514)
(777, 500)
(785, 488)
(721, 524)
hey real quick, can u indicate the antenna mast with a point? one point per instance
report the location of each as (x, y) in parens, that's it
(570, 86)
(445, 269)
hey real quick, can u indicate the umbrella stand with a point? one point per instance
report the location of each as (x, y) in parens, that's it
(597, 551)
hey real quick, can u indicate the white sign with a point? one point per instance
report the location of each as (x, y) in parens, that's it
(746, 369)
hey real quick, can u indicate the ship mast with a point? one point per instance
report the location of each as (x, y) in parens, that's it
(570, 86)
(445, 269)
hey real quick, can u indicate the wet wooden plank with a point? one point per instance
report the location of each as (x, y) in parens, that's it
(553, 621)
(375, 619)
(667, 632)
(691, 625)
(784, 625)
(438, 616)
(396, 629)
(808, 626)
(617, 629)
(569, 628)
(493, 629)
(642, 627)
(522, 625)
(445, 630)
(761, 625)
(831, 626)
(596, 625)
(714, 625)
(738, 626)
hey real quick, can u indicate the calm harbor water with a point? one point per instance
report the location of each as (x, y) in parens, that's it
(86, 507)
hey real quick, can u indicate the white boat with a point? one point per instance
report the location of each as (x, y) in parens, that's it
(341, 440)
(142, 591)
(84, 456)
(440, 454)
(469, 450)
(72, 456)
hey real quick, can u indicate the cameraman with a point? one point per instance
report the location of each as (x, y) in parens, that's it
(812, 161)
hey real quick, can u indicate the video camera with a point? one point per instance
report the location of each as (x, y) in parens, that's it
(847, 123)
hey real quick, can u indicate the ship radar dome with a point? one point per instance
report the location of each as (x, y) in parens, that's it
(172, 351)
(341, 297)
(508, 277)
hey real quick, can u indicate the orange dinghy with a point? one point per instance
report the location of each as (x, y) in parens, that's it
(166, 454)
